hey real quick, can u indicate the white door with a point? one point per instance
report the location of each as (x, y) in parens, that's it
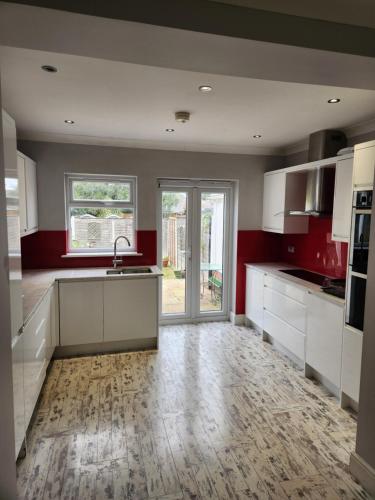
(193, 249)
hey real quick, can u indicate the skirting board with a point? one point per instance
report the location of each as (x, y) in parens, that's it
(237, 319)
(362, 471)
(105, 347)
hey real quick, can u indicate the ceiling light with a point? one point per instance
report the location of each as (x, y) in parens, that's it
(257, 136)
(205, 88)
(333, 100)
(49, 69)
(169, 129)
(70, 122)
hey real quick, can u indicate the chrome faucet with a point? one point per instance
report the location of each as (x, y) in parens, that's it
(115, 260)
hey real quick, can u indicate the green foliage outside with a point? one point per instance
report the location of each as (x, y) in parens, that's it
(100, 191)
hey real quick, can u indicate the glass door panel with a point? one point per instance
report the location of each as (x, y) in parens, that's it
(212, 240)
(175, 256)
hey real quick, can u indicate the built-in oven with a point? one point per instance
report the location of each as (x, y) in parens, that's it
(358, 258)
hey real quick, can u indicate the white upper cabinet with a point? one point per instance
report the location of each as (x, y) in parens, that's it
(364, 165)
(342, 205)
(283, 192)
(28, 194)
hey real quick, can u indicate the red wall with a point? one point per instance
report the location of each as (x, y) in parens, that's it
(316, 251)
(45, 248)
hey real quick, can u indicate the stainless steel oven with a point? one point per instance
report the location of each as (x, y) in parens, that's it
(358, 258)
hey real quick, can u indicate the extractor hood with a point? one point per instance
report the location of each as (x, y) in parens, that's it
(319, 192)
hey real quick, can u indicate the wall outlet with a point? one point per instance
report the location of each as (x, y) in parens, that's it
(291, 248)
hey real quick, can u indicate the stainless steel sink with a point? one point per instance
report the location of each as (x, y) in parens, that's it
(130, 270)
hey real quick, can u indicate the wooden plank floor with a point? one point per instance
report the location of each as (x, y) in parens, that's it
(215, 413)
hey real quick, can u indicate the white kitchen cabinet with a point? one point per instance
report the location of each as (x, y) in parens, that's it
(81, 312)
(351, 362)
(282, 192)
(285, 308)
(324, 337)
(130, 309)
(288, 336)
(28, 194)
(364, 165)
(18, 391)
(254, 296)
(37, 346)
(342, 204)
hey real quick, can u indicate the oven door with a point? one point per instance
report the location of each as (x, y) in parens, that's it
(360, 240)
(356, 295)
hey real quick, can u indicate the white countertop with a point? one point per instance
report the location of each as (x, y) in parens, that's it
(36, 283)
(274, 269)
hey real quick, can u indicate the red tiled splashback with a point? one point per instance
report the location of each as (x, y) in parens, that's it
(43, 250)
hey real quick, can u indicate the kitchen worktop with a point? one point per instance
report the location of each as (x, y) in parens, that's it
(35, 283)
(274, 269)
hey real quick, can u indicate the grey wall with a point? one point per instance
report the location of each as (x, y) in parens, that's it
(54, 159)
(7, 458)
(302, 156)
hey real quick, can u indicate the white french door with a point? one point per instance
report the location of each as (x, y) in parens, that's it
(193, 249)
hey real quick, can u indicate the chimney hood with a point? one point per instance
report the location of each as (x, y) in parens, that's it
(319, 192)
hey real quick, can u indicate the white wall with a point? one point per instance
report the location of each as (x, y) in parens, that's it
(54, 159)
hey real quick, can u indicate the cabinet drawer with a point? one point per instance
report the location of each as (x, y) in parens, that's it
(285, 334)
(285, 308)
(285, 288)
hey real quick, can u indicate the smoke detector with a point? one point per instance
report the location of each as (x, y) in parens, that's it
(182, 116)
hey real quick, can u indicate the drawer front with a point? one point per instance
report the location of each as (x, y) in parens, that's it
(287, 309)
(285, 334)
(285, 288)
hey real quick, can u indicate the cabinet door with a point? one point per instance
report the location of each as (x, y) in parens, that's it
(54, 318)
(31, 195)
(324, 337)
(254, 296)
(351, 362)
(81, 312)
(18, 392)
(364, 163)
(274, 201)
(342, 204)
(22, 193)
(130, 309)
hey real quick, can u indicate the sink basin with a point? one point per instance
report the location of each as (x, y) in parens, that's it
(130, 270)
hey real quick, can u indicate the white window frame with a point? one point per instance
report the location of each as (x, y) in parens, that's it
(71, 203)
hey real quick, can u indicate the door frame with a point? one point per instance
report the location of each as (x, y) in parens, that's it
(194, 187)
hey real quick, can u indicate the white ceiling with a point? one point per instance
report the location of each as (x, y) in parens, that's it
(128, 104)
(356, 12)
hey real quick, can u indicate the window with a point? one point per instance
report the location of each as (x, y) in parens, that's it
(98, 209)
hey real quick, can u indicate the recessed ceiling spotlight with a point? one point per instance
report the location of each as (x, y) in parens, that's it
(169, 129)
(70, 122)
(205, 88)
(257, 136)
(333, 100)
(49, 69)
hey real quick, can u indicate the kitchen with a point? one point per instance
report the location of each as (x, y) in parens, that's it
(186, 293)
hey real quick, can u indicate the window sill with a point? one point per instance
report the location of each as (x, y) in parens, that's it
(100, 254)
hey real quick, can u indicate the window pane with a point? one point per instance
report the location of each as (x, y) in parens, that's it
(99, 227)
(212, 251)
(101, 191)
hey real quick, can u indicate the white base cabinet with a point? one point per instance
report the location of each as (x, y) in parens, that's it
(254, 296)
(18, 391)
(130, 309)
(324, 337)
(351, 362)
(81, 312)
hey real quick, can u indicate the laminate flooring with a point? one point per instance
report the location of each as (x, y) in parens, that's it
(214, 414)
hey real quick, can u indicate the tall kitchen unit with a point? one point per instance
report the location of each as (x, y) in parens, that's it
(15, 273)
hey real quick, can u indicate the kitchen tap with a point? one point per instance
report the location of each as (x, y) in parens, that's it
(115, 260)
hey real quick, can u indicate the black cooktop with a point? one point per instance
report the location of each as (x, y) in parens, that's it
(317, 279)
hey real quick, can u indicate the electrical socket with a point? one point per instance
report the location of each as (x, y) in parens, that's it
(291, 248)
